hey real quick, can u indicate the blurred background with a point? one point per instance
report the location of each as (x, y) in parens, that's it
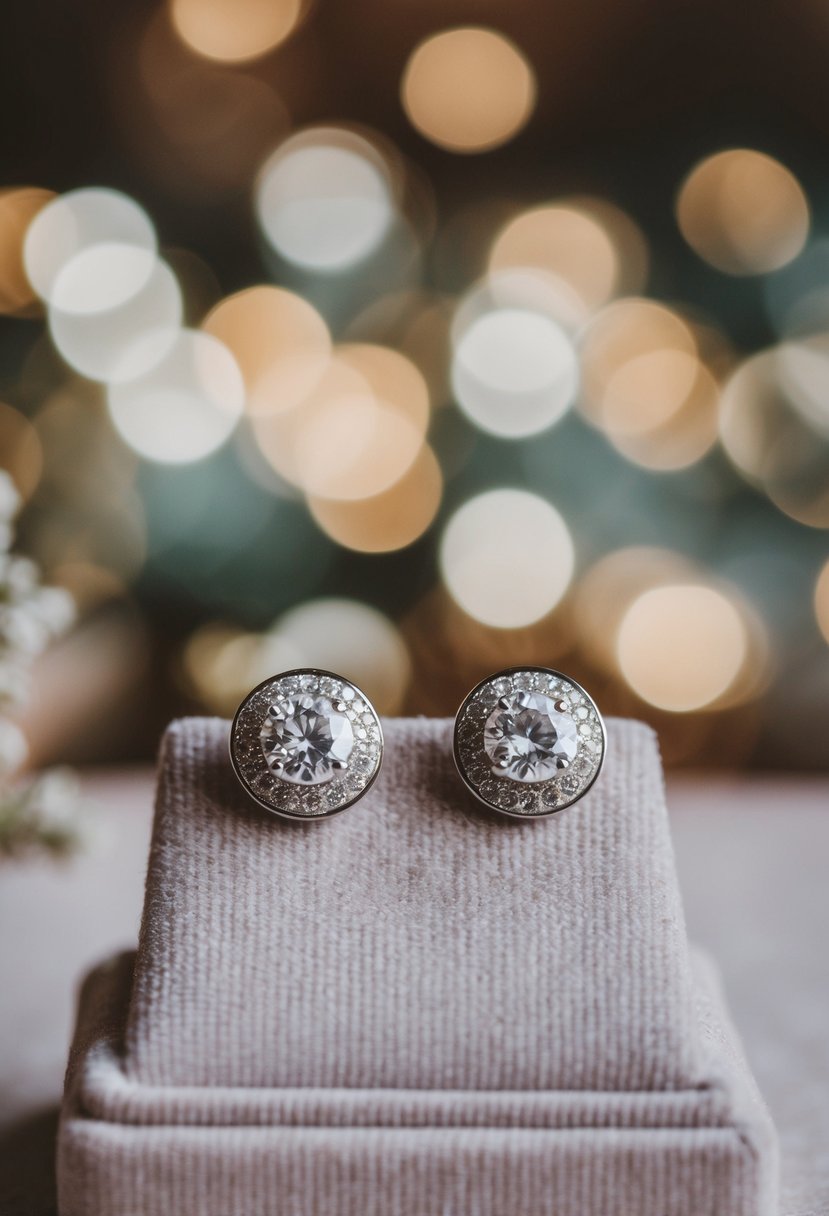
(415, 341)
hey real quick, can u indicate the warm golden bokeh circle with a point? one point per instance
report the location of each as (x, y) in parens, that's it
(234, 31)
(743, 211)
(280, 342)
(681, 647)
(648, 390)
(390, 520)
(687, 429)
(629, 241)
(646, 387)
(566, 242)
(357, 432)
(607, 589)
(354, 447)
(279, 435)
(18, 207)
(624, 331)
(774, 427)
(468, 89)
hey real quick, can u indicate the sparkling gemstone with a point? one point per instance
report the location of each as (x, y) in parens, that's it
(306, 740)
(528, 739)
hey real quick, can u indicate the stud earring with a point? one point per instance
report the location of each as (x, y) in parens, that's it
(306, 744)
(529, 742)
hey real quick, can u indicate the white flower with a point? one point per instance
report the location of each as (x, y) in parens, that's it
(55, 799)
(13, 747)
(21, 630)
(55, 608)
(19, 574)
(14, 680)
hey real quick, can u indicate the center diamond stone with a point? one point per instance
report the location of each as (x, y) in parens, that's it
(529, 737)
(307, 739)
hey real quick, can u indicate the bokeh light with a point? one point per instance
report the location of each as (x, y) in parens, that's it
(629, 241)
(773, 425)
(358, 432)
(514, 372)
(743, 212)
(364, 443)
(324, 199)
(279, 340)
(76, 222)
(645, 385)
(105, 300)
(364, 327)
(186, 406)
(661, 410)
(648, 390)
(607, 589)
(280, 437)
(682, 646)
(468, 90)
(803, 369)
(507, 557)
(822, 600)
(390, 520)
(527, 289)
(221, 663)
(234, 31)
(624, 331)
(18, 207)
(568, 243)
(353, 639)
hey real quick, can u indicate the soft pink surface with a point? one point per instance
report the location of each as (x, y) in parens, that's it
(752, 857)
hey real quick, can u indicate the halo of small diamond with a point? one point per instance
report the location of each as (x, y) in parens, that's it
(289, 798)
(539, 798)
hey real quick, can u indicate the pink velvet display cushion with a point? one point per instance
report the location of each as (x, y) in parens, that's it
(413, 1009)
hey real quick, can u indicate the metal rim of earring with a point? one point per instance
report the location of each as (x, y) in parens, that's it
(269, 730)
(492, 749)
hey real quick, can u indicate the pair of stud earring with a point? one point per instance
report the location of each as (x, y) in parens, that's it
(308, 744)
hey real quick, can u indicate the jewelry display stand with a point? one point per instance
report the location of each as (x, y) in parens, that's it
(413, 1009)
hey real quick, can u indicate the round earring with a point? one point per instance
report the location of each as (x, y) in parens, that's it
(529, 742)
(306, 744)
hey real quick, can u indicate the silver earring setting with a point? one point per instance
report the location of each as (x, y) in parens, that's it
(529, 742)
(306, 744)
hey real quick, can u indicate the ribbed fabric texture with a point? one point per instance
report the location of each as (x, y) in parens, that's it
(128, 1149)
(413, 1009)
(414, 941)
